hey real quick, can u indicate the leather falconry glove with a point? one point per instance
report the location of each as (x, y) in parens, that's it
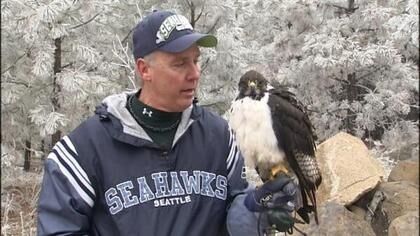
(276, 199)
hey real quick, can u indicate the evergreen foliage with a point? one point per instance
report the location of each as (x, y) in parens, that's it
(353, 63)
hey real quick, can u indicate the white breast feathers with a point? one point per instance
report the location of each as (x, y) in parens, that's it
(251, 120)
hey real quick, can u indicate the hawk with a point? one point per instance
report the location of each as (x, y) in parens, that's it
(275, 135)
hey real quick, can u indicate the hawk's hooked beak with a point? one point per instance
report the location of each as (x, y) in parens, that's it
(252, 88)
(252, 84)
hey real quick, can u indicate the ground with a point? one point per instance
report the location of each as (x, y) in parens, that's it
(19, 196)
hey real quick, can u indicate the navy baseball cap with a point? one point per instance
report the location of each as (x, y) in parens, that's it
(169, 32)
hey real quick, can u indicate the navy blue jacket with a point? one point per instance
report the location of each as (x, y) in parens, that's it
(107, 177)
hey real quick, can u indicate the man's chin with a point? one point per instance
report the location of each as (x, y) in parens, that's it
(185, 104)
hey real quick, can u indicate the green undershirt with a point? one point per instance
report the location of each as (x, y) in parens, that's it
(160, 125)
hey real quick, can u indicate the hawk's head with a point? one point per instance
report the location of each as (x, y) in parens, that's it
(252, 84)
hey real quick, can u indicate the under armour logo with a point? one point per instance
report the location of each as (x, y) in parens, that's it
(145, 112)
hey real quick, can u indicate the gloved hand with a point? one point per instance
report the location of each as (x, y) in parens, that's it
(278, 193)
(282, 220)
(275, 198)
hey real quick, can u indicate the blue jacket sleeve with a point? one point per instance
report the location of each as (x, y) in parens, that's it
(240, 221)
(66, 197)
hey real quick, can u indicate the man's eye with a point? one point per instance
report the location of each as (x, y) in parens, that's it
(179, 64)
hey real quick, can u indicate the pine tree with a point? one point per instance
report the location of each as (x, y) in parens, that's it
(353, 63)
(54, 67)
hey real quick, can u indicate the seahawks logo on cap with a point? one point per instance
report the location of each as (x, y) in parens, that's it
(177, 22)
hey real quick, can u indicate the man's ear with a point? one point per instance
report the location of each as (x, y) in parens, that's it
(143, 68)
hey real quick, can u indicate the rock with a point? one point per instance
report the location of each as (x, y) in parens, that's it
(358, 211)
(405, 170)
(407, 224)
(405, 152)
(400, 198)
(335, 219)
(348, 170)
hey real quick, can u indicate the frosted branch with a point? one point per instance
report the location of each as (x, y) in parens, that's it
(125, 60)
(14, 63)
(86, 22)
(17, 82)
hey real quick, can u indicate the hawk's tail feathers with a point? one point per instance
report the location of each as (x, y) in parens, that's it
(306, 208)
(314, 207)
(304, 211)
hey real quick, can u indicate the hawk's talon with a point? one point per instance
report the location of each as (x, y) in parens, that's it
(277, 170)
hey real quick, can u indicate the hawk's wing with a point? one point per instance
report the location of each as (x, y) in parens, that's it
(295, 136)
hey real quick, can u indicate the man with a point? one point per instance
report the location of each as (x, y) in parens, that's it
(152, 162)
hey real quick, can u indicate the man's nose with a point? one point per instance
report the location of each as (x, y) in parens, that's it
(194, 71)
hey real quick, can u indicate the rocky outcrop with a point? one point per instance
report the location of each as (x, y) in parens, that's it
(354, 199)
(348, 170)
(407, 170)
(400, 199)
(404, 225)
(335, 219)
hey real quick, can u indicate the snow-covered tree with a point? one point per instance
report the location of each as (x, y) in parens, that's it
(60, 58)
(54, 66)
(356, 75)
(354, 63)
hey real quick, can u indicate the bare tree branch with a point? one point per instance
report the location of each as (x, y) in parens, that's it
(214, 25)
(193, 17)
(348, 10)
(201, 13)
(205, 64)
(86, 22)
(192, 13)
(14, 63)
(17, 82)
(340, 80)
(375, 69)
(67, 65)
(189, 3)
(126, 37)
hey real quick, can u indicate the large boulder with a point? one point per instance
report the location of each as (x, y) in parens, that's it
(407, 224)
(335, 219)
(348, 169)
(405, 170)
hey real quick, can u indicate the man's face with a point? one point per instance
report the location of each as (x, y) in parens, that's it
(170, 79)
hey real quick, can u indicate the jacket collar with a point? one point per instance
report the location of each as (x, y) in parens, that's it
(124, 127)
